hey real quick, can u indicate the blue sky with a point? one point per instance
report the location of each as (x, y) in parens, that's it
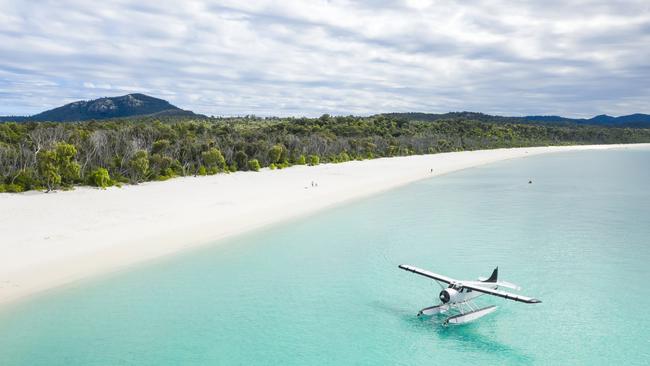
(574, 58)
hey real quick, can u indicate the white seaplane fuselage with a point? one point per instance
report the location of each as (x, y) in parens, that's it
(456, 295)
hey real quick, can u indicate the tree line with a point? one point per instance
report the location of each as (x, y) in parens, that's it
(50, 155)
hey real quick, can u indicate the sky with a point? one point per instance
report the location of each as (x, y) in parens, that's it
(307, 58)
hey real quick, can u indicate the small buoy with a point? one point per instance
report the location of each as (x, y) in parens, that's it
(530, 182)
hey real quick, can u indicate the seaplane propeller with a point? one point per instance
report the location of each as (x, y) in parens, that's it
(447, 295)
(459, 295)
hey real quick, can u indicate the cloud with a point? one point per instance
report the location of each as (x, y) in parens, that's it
(576, 58)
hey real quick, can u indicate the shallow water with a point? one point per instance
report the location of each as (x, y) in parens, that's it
(326, 289)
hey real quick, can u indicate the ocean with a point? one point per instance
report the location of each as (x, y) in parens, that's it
(326, 290)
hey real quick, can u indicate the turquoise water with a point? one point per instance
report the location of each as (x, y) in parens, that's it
(326, 290)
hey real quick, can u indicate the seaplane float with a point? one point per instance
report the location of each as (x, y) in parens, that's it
(458, 295)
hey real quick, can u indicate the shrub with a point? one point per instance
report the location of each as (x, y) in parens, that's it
(14, 188)
(202, 170)
(301, 160)
(100, 178)
(27, 179)
(314, 160)
(169, 173)
(241, 159)
(275, 153)
(160, 146)
(2, 188)
(177, 168)
(165, 174)
(119, 178)
(272, 166)
(213, 159)
(160, 165)
(233, 167)
(254, 165)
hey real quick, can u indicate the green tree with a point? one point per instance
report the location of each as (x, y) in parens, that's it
(47, 169)
(138, 166)
(213, 159)
(254, 165)
(68, 168)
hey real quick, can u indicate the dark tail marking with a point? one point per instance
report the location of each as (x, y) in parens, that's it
(493, 276)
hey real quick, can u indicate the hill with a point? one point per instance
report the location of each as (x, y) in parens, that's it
(637, 120)
(632, 120)
(130, 105)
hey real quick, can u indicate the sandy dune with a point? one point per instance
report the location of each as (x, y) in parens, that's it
(48, 240)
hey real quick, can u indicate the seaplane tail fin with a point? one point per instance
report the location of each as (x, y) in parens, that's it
(493, 276)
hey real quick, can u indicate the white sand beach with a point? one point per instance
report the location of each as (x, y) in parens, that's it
(49, 240)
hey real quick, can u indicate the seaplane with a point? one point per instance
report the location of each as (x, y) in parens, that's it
(458, 295)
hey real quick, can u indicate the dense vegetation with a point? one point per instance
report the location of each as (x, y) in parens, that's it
(47, 155)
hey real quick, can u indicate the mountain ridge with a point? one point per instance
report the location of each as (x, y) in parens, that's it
(142, 105)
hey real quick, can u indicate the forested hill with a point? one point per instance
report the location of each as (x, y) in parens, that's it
(637, 120)
(49, 155)
(103, 108)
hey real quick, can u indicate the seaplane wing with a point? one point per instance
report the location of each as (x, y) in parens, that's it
(497, 283)
(425, 273)
(499, 293)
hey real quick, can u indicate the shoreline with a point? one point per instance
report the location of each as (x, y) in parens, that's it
(50, 240)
